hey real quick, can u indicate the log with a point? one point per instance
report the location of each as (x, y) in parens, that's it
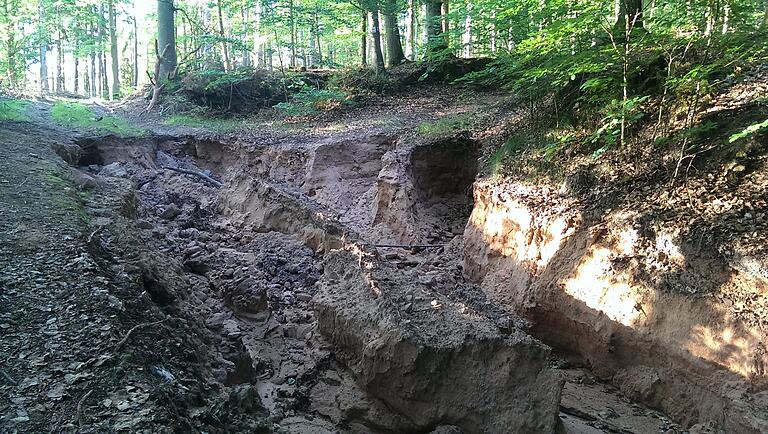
(200, 175)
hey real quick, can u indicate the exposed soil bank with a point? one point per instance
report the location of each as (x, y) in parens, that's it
(658, 318)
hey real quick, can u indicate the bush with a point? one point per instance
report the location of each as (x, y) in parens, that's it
(309, 101)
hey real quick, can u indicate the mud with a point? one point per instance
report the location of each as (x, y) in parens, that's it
(642, 313)
(305, 313)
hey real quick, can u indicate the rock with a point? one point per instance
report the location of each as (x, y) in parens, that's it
(144, 224)
(476, 377)
(82, 180)
(69, 152)
(196, 265)
(170, 212)
(189, 233)
(114, 170)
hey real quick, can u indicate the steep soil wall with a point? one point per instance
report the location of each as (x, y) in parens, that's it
(656, 315)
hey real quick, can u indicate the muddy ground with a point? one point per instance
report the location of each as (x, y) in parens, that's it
(191, 281)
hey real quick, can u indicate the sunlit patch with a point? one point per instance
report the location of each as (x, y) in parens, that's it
(592, 284)
(733, 349)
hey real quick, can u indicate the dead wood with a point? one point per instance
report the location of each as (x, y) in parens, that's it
(200, 175)
(80, 409)
(123, 341)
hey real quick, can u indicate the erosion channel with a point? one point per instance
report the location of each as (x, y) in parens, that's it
(367, 285)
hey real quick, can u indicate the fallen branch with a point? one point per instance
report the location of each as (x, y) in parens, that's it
(200, 175)
(408, 246)
(9, 378)
(130, 332)
(80, 409)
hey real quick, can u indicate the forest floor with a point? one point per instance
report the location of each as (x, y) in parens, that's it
(137, 299)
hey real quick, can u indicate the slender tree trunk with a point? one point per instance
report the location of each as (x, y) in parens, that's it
(411, 24)
(224, 47)
(166, 37)
(395, 54)
(258, 44)
(135, 69)
(59, 64)
(378, 55)
(246, 56)
(467, 37)
(446, 24)
(113, 50)
(364, 39)
(77, 70)
(629, 16)
(435, 38)
(43, 48)
(292, 22)
(10, 43)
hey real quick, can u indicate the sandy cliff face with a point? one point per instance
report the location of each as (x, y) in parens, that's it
(657, 315)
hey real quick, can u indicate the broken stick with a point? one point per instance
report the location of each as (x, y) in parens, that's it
(133, 329)
(80, 409)
(200, 175)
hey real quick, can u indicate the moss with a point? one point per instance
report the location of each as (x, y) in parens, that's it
(214, 124)
(13, 109)
(77, 115)
(446, 127)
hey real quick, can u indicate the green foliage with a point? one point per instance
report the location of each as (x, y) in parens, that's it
(309, 101)
(13, 109)
(616, 112)
(749, 131)
(446, 127)
(77, 115)
(211, 123)
(362, 81)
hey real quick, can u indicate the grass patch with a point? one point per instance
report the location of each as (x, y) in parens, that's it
(446, 127)
(77, 115)
(214, 124)
(13, 109)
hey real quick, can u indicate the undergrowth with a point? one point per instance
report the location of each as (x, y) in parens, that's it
(13, 109)
(77, 115)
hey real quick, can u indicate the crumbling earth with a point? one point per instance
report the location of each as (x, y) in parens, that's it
(179, 283)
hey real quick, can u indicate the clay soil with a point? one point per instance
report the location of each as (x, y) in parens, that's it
(279, 292)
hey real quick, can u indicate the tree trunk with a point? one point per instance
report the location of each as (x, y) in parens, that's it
(435, 38)
(467, 37)
(166, 37)
(43, 48)
(224, 47)
(395, 54)
(446, 24)
(292, 22)
(244, 13)
(364, 40)
(629, 16)
(411, 23)
(59, 67)
(135, 69)
(378, 55)
(10, 43)
(113, 51)
(77, 76)
(258, 44)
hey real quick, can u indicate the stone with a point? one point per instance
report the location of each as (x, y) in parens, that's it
(69, 152)
(170, 212)
(144, 224)
(114, 170)
(82, 180)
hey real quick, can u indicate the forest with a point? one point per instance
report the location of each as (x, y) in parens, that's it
(384, 216)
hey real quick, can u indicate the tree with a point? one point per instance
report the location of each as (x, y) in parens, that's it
(436, 44)
(113, 50)
(166, 37)
(378, 55)
(395, 54)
